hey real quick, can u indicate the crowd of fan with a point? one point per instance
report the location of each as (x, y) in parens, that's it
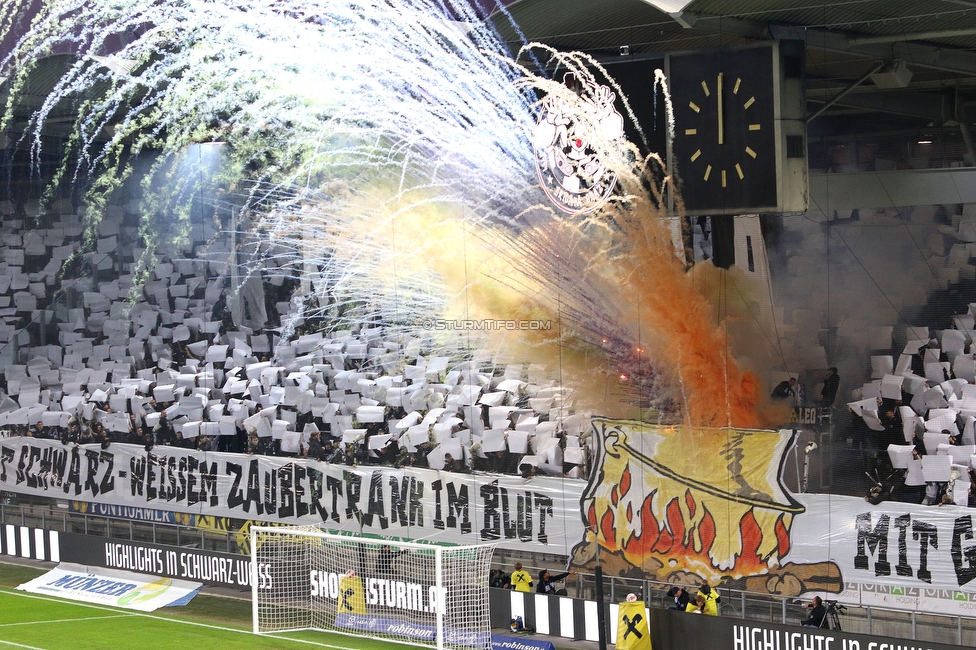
(915, 418)
(315, 446)
(900, 484)
(169, 363)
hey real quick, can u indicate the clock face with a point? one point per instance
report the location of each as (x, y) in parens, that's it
(724, 144)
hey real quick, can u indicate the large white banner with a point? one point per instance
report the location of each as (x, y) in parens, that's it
(676, 503)
(892, 555)
(895, 555)
(111, 587)
(538, 514)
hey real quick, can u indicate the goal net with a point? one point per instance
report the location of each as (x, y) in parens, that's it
(419, 594)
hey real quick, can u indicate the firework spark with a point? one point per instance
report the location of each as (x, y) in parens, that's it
(380, 155)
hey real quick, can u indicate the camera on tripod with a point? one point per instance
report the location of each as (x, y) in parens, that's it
(825, 614)
(833, 609)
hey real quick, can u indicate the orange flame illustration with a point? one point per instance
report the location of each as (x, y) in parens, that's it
(706, 502)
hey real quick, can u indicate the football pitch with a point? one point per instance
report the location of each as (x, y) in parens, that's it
(44, 623)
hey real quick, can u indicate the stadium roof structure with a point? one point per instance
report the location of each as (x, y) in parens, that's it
(928, 47)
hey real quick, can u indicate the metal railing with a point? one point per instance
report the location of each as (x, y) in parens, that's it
(769, 608)
(49, 517)
(762, 607)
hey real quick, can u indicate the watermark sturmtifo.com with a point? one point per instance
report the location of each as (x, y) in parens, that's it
(442, 324)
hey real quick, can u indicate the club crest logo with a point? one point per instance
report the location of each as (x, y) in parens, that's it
(574, 139)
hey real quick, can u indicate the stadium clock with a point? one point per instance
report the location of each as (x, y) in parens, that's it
(729, 147)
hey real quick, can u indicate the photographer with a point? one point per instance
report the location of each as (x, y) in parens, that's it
(499, 579)
(520, 580)
(818, 617)
(681, 597)
(710, 598)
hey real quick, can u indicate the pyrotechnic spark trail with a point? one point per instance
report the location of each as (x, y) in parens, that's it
(377, 151)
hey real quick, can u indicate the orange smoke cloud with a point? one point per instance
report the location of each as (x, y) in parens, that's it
(715, 390)
(626, 256)
(669, 323)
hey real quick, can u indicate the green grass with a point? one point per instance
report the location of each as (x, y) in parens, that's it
(47, 623)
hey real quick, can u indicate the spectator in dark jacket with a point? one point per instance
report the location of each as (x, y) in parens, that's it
(681, 597)
(498, 579)
(818, 617)
(314, 450)
(547, 582)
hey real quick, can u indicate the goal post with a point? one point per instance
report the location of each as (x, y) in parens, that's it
(420, 594)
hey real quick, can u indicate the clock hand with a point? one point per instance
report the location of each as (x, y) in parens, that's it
(718, 92)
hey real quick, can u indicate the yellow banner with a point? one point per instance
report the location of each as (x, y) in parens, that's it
(352, 597)
(632, 632)
(703, 502)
